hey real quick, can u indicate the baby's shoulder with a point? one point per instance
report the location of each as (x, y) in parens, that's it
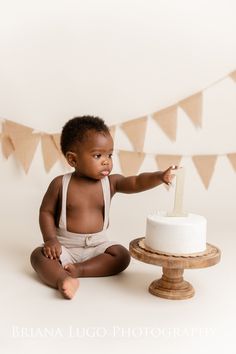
(56, 183)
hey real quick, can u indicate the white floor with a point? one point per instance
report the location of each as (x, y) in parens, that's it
(115, 314)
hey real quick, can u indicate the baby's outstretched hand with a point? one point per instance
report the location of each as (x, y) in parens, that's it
(52, 249)
(168, 176)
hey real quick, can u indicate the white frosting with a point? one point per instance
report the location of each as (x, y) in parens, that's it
(177, 235)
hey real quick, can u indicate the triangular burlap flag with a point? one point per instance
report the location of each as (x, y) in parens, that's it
(192, 106)
(112, 130)
(205, 165)
(49, 151)
(135, 130)
(130, 162)
(167, 120)
(233, 75)
(24, 142)
(232, 159)
(165, 161)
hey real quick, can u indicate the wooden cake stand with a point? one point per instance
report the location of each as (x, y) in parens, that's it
(172, 285)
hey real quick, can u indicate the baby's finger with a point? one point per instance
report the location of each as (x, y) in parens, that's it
(49, 253)
(58, 252)
(52, 253)
(44, 252)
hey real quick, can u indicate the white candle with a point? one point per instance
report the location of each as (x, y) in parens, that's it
(179, 193)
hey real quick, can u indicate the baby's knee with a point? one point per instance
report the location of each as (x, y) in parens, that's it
(36, 256)
(121, 254)
(125, 256)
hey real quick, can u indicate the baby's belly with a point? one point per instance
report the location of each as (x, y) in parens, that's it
(85, 224)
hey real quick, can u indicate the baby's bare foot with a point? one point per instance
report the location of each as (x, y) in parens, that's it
(73, 269)
(68, 287)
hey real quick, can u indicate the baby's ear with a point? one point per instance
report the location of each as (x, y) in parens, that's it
(71, 158)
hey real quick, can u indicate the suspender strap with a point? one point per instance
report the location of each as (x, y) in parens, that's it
(65, 182)
(107, 200)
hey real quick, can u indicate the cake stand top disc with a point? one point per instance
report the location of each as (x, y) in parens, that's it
(209, 257)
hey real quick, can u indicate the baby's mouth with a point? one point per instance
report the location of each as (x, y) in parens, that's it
(105, 173)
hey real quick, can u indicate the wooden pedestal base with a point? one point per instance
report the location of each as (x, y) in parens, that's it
(172, 285)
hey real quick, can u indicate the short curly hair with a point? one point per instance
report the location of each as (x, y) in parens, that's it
(76, 128)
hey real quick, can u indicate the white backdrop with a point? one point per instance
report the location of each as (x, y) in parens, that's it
(119, 60)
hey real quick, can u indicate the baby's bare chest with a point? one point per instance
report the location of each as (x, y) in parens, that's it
(84, 197)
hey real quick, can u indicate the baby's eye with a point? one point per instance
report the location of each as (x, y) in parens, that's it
(110, 156)
(97, 156)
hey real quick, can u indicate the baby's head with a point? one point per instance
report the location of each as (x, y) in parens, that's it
(76, 131)
(87, 145)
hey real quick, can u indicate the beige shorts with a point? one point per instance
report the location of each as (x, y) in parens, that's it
(77, 248)
(81, 254)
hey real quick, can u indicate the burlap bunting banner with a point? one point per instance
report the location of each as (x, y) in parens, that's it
(192, 106)
(167, 120)
(130, 162)
(136, 130)
(22, 141)
(205, 165)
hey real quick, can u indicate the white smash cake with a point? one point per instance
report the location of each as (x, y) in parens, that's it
(176, 234)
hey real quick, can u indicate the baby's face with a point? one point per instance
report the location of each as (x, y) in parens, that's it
(94, 155)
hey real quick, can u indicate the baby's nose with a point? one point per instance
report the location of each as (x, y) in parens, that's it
(105, 162)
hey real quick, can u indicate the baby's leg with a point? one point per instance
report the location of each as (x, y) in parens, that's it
(113, 261)
(53, 274)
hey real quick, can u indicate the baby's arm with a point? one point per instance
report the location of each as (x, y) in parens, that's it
(142, 182)
(52, 247)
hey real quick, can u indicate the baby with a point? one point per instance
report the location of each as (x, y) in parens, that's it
(74, 213)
